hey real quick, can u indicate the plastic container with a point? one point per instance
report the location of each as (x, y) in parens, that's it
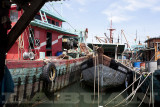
(142, 64)
(59, 53)
(42, 55)
(152, 66)
(136, 64)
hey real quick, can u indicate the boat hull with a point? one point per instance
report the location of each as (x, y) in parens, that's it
(108, 77)
(111, 72)
(28, 79)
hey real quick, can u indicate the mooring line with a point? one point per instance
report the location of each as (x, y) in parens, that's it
(133, 91)
(124, 90)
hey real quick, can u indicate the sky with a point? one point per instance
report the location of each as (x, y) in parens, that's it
(142, 16)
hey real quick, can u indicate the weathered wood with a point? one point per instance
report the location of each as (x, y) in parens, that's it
(23, 22)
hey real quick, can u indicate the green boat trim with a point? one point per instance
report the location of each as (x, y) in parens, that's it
(44, 25)
(53, 15)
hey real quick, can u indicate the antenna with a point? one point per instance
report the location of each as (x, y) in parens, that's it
(118, 38)
(139, 40)
(111, 33)
(136, 36)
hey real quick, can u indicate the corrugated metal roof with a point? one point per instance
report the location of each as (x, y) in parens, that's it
(152, 39)
(42, 24)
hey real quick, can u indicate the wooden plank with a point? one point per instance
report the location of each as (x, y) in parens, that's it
(23, 22)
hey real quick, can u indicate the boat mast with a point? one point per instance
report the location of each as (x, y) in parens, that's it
(118, 38)
(111, 33)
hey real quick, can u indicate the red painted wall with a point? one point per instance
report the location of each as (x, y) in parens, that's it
(39, 33)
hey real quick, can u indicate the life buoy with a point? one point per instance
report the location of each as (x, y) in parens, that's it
(49, 72)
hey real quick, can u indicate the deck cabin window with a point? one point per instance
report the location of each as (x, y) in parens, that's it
(57, 23)
(53, 22)
(49, 53)
(49, 20)
(49, 40)
(31, 38)
(158, 47)
(151, 45)
(37, 17)
(13, 15)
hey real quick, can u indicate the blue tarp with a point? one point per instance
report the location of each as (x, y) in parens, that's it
(7, 85)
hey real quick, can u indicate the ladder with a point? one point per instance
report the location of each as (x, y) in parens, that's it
(43, 16)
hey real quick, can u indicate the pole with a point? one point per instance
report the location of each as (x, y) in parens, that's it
(152, 92)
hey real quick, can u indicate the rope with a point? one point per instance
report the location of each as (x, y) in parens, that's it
(144, 96)
(133, 91)
(21, 42)
(95, 78)
(62, 16)
(98, 79)
(123, 90)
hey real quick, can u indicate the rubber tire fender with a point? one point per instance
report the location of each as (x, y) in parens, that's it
(47, 69)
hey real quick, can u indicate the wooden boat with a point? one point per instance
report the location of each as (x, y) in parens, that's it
(32, 60)
(111, 72)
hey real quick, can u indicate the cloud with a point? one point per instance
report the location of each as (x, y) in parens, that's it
(82, 2)
(68, 6)
(156, 9)
(119, 11)
(82, 10)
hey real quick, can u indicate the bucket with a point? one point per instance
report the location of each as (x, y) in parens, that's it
(158, 64)
(152, 66)
(42, 55)
(142, 65)
(136, 64)
(59, 53)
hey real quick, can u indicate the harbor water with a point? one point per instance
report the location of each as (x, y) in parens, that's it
(80, 95)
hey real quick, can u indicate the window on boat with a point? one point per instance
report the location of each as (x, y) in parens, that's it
(151, 45)
(57, 23)
(53, 22)
(49, 20)
(49, 40)
(31, 38)
(49, 53)
(13, 15)
(37, 17)
(158, 48)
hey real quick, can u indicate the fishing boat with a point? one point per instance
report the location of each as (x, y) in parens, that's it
(109, 72)
(112, 72)
(38, 60)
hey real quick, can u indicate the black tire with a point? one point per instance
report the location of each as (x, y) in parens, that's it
(49, 72)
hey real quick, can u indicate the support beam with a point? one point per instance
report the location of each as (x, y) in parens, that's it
(4, 26)
(23, 22)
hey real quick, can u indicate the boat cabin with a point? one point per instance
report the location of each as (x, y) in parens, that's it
(152, 50)
(42, 38)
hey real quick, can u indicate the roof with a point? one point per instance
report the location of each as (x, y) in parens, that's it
(109, 47)
(147, 49)
(44, 25)
(53, 15)
(152, 39)
(47, 12)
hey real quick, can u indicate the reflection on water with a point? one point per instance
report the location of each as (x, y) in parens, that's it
(79, 95)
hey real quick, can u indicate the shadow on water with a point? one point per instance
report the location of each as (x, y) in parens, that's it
(80, 95)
